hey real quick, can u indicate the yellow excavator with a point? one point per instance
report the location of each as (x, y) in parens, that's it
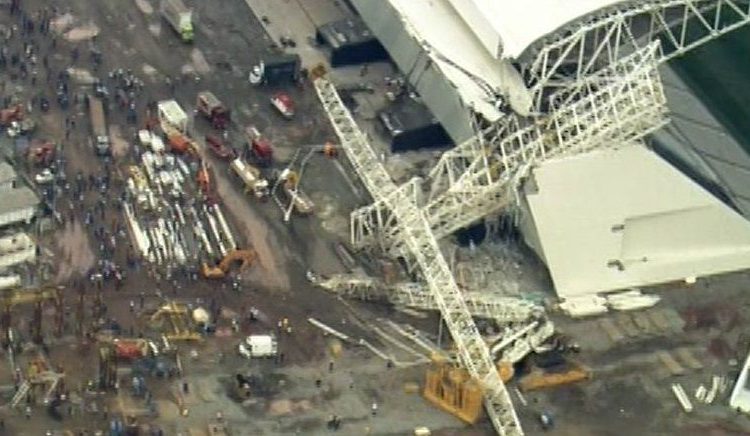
(245, 257)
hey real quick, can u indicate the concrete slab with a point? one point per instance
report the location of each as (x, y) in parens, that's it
(643, 323)
(659, 319)
(669, 361)
(626, 325)
(688, 358)
(297, 20)
(612, 331)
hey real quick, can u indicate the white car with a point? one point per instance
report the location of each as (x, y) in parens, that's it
(44, 177)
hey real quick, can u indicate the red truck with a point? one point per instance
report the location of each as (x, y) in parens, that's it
(283, 103)
(213, 109)
(218, 148)
(260, 147)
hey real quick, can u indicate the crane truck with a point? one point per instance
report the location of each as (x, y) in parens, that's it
(179, 17)
(98, 126)
(251, 178)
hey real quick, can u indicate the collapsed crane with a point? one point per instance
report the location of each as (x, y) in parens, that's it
(416, 234)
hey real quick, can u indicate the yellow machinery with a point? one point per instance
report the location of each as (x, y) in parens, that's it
(179, 319)
(245, 257)
(39, 376)
(317, 71)
(453, 390)
(539, 379)
(37, 296)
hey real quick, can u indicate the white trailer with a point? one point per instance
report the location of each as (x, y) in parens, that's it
(172, 116)
(258, 346)
(179, 17)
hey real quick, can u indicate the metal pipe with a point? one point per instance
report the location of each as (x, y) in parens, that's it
(215, 230)
(225, 227)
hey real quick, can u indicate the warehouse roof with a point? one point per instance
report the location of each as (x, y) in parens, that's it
(14, 199)
(435, 23)
(7, 173)
(630, 219)
(507, 28)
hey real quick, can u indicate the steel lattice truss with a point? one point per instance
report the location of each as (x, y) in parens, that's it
(417, 236)
(616, 106)
(603, 39)
(521, 320)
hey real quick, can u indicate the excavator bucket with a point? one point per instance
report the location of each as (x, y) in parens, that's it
(245, 257)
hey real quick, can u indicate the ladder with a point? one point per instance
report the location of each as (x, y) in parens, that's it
(21, 393)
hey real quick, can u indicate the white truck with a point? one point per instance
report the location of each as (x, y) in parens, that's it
(251, 177)
(179, 17)
(98, 126)
(258, 346)
(171, 116)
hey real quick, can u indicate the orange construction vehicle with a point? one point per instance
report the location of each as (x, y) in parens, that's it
(452, 389)
(11, 114)
(569, 372)
(245, 257)
(205, 178)
(41, 154)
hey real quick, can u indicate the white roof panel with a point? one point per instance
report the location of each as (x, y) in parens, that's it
(506, 28)
(618, 219)
(435, 22)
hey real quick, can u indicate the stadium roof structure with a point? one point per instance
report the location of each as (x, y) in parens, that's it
(625, 218)
(507, 28)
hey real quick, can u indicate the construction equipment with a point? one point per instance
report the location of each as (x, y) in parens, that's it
(130, 348)
(452, 389)
(107, 367)
(251, 178)
(540, 378)
(179, 17)
(204, 178)
(171, 114)
(299, 201)
(245, 257)
(39, 376)
(260, 147)
(218, 148)
(42, 154)
(98, 126)
(179, 143)
(37, 296)
(11, 114)
(255, 346)
(283, 103)
(275, 70)
(214, 110)
(317, 72)
(180, 321)
(398, 205)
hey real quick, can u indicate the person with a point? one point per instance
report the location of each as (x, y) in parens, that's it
(28, 412)
(374, 408)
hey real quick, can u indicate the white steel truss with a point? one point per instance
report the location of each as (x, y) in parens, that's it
(416, 233)
(601, 40)
(620, 104)
(525, 326)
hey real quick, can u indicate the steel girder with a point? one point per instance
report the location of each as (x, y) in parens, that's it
(602, 39)
(422, 245)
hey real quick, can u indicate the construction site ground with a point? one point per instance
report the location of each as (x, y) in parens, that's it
(318, 376)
